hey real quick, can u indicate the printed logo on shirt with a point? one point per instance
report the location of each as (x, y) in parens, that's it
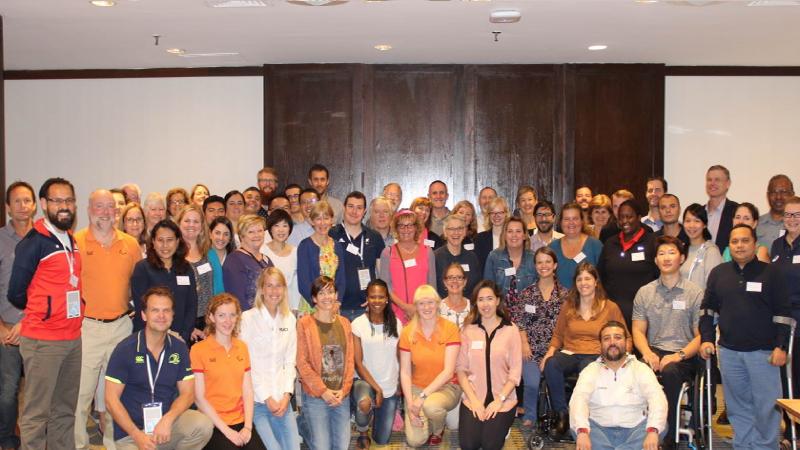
(139, 359)
(283, 329)
(174, 358)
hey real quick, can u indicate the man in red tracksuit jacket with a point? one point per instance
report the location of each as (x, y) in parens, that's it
(45, 284)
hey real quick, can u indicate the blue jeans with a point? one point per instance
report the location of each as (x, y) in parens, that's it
(384, 416)
(617, 438)
(329, 425)
(532, 376)
(10, 372)
(751, 385)
(351, 314)
(279, 433)
(556, 369)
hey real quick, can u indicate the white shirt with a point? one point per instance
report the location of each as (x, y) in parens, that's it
(272, 343)
(379, 353)
(714, 217)
(618, 399)
(288, 266)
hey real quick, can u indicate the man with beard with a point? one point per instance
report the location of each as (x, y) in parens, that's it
(267, 179)
(108, 256)
(485, 197)
(319, 178)
(45, 283)
(656, 188)
(617, 402)
(544, 213)
(252, 202)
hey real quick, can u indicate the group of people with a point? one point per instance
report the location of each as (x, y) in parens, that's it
(265, 317)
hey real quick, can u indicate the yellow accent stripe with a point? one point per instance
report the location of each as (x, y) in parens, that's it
(113, 380)
(188, 377)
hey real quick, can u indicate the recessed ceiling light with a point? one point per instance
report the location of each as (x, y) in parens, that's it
(383, 47)
(103, 2)
(598, 47)
(176, 51)
(237, 3)
(646, 1)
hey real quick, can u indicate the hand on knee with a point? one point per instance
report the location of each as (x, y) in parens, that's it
(365, 405)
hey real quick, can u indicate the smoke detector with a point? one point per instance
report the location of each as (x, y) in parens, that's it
(505, 16)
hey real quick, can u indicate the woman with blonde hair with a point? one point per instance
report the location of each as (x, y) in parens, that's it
(269, 330)
(429, 346)
(466, 210)
(486, 241)
(242, 267)
(319, 254)
(223, 386)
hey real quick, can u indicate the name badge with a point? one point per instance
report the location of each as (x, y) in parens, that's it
(428, 243)
(183, 280)
(579, 257)
(152, 415)
(352, 249)
(510, 272)
(678, 304)
(410, 263)
(204, 268)
(782, 233)
(363, 278)
(73, 304)
(469, 247)
(638, 256)
(73, 280)
(753, 286)
(530, 309)
(796, 259)
(567, 352)
(465, 267)
(477, 345)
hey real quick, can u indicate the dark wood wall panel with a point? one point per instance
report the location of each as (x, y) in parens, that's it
(311, 116)
(516, 127)
(551, 126)
(616, 113)
(416, 128)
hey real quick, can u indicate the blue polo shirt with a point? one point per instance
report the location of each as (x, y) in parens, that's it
(127, 366)
(373, 246)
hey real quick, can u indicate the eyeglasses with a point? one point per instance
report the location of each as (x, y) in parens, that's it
(308, 202)
(293, 196)
(454, 229)
(788, 215)
(405, 226)
(268, 180)
(497, 213)
(177, 202)
(134, 220)
(62, 201)
(544, 215)
(455, 278)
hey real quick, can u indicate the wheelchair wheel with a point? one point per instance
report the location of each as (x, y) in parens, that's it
(535, 442)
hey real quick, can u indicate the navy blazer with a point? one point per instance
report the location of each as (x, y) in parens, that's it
(726, 224)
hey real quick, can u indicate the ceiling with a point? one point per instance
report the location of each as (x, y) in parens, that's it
(72, 34)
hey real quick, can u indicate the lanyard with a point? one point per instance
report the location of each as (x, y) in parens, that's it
(150, 378)
(363, 238)
(698, 258)
(69, 250)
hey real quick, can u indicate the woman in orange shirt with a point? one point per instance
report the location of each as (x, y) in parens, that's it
(223, 388)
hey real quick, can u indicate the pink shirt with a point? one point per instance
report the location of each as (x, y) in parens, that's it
(407, 276)
(505, 361)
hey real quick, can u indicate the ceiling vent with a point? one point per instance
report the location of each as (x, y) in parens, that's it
(317, 2)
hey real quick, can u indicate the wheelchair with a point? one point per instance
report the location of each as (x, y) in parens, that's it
(545, 429)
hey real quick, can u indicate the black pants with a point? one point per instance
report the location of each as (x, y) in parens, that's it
(672, 378)
(488, 435)
(218, 441)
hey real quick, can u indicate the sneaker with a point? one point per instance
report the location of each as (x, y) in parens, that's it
(436, 439)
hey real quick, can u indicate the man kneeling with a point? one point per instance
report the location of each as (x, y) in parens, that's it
(617, 403)
(150, 385)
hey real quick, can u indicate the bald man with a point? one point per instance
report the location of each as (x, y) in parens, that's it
(108, 257)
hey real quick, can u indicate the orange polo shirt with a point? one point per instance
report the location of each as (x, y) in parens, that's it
(223, 374)
(106, 273)
(427, 355)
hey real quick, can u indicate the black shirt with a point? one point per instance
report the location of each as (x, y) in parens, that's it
(682, 236)
(353, 295)
(745, 315)
(467, 259)
(787, 258)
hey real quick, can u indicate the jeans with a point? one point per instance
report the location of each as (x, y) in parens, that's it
(384, 416)
(329, 425)
(751, 385)
(10, 372)
(351, 314)
(531, 375)
(617, 438)
(278, 433)
(555, 370)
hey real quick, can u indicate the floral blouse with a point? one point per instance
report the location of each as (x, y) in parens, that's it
(537, 317)
(328, 261)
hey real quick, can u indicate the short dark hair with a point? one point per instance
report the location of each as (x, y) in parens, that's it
(742, 225)
(252, 189)
(51, 181)
(277, 216)
(544, 204)
(320, 283)
(18, 184)
(213, 199)
(722, 168)
(661, 179)
(777, 177)
(231, 194)
(668, 195)
(117, 191)
(309, 191)
(275, 197)
(292, 186)
(633, 205)
(317, 167)
(671, 240)
(162, 291)
(357, 195)
(437, 181)
(750, 207)
(612, 324)
(474, 316)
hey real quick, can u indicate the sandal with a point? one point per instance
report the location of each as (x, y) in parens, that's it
(363, 442)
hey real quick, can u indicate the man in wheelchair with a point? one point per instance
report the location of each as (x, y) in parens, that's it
(666, 313)
(617, 403)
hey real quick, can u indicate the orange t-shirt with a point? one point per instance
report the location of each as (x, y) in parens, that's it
(106, 273)
(223, 374)
(427, 355)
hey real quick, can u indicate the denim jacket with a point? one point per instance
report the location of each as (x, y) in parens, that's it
(497, 263)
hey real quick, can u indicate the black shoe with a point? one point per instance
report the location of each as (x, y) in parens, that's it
(723, 418)
(562, 425)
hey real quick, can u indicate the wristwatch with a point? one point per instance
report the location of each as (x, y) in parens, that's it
(682, 354)
(423, 395)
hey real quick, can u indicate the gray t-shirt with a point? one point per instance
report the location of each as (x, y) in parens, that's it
(8, 242)
(672, 315)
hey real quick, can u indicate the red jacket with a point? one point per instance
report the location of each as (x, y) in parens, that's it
(39, 285)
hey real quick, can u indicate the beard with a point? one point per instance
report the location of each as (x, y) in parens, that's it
(608, 356)
(545, 227)
(64, 224)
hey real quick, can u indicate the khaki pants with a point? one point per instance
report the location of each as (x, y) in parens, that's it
(191, 431)
(50, 394)
(99, 340)
(434, 411)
